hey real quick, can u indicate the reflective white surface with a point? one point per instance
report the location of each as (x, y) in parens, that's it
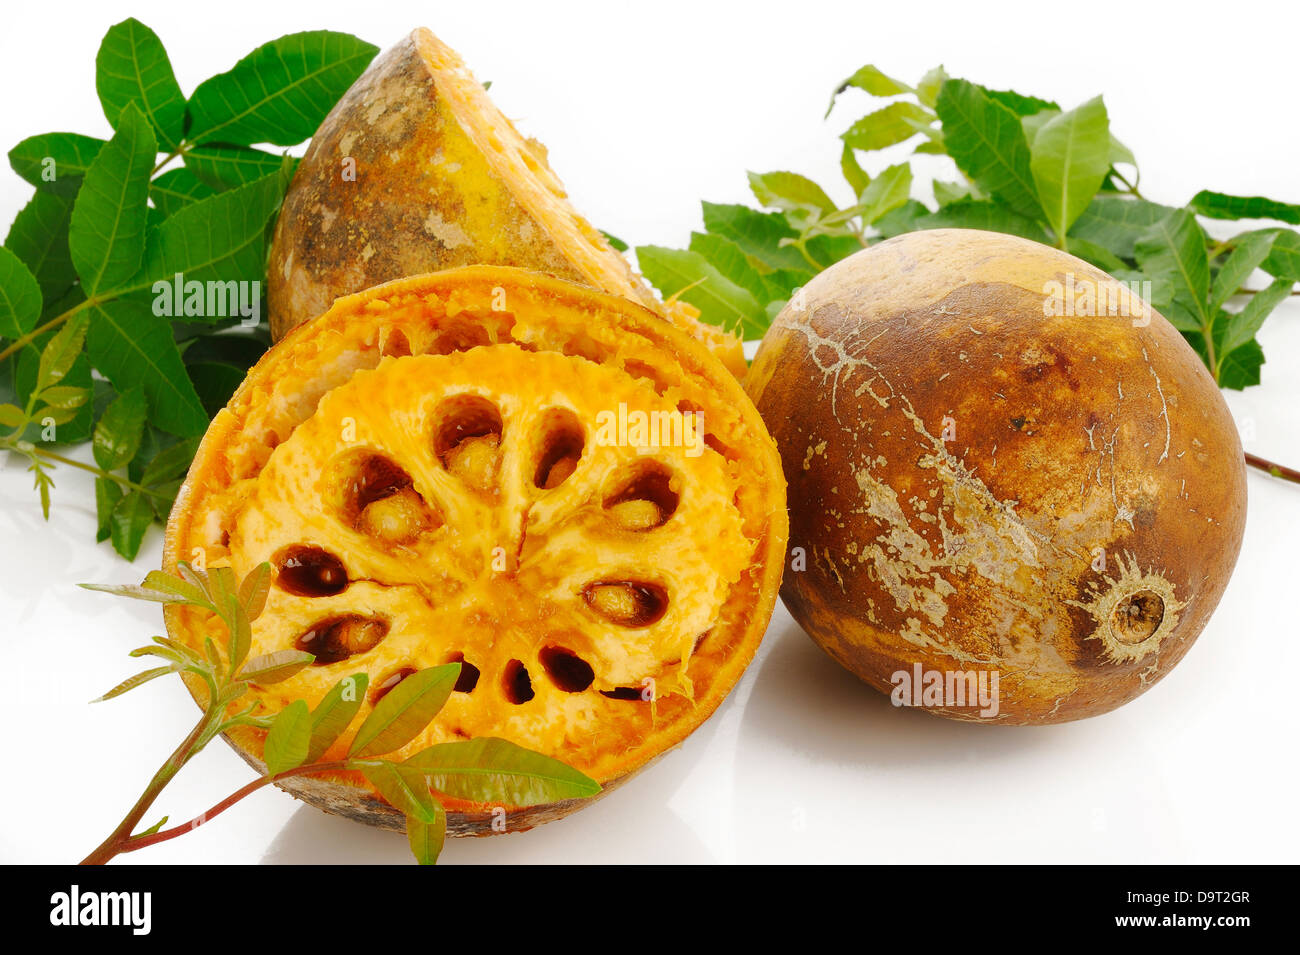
(802, 762)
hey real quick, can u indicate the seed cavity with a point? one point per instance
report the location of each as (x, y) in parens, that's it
(642, 498)
(630, 693)
(468, 440)
(517, 684)
(336, 638)
(469, 673)
(559, 448)
(305, 570)
(627, 603)
(389, 683)
(568, 671)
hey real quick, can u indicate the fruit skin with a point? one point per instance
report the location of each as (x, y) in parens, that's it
(457, 311)
(442, 180)
(1074, 436)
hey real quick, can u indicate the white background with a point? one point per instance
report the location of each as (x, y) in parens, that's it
(647, 109)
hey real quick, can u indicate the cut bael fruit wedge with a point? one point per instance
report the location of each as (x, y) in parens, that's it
(551, 485)
(414, 170)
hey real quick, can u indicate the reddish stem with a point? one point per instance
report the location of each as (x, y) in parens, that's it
(140, 842)
(1277, 470)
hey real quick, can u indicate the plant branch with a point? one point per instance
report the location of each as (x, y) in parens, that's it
(39, 330)
(179, 757)
(97, 471)
(142, 842)
(1276, 470)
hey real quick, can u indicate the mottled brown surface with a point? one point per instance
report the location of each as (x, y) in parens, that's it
(415, 170)
(1070, 437)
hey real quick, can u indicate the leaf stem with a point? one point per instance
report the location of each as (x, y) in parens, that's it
(97, 471)
(179, 757)
(1276, 470)
(40, 330)
(143, 842)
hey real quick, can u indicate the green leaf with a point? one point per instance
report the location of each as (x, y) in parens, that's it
(254, 588)
(1098, 255)
(903, 219)
(758, 234)
(132, 68)
(946, 193)
(106, 237)
(854, 174)
(152, 829)
(1116, 224)
(64, 397)
(618, 244)
(335, 712)
(690, 276)
(61, 352)
(986, 140)
(426, 839)
(405, 790)
(130, 683)
(727, 257)
(225, 167)
(218, 239)
(169, 463)
(275, 667)
(131, 346)
(1250, 252)
(789, 191)
(215, 383)
(1020, 104)
(1284, 261)
(927, 91)
(404, 712)
(39, 236)
(131, 517)
(286, 743)
(1240, 367)
(491, 770)
(162, 582)
(888, 126)
(55, 162)
(1218, 205)
(1242, 326)
(1157, 292)
(1174, 248)
(107, 494)
(20, 296)
(1069, 158)
(11, 416)
(280, 92)
(873, 81)
(983, 214)
(176, 188)
(889, 190)
(120, 429)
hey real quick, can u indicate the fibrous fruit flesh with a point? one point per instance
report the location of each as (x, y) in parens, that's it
(496, 467)
(415, 170)
(999, 459)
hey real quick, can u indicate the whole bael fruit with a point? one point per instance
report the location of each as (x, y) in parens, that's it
(999, 460)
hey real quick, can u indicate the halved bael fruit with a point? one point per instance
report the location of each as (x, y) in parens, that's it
(552, 485)
(414, 170)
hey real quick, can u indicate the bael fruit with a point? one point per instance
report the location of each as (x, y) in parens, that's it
(978, 485)
(449, 467)
(415, 170)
